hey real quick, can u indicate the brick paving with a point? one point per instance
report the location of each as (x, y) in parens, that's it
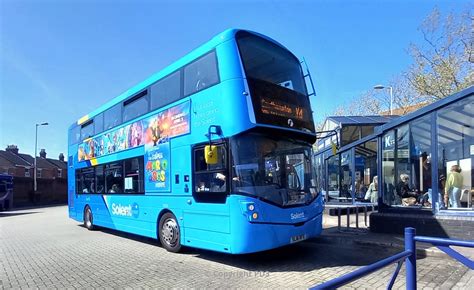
(44, 248)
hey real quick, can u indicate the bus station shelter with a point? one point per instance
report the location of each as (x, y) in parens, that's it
(409, 156)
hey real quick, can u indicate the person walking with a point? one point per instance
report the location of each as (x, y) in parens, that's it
(452, 191)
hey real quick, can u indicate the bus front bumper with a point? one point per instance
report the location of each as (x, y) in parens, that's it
(265, 236)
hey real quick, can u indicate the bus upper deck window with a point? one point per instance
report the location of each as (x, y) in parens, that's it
(201, 74)
(135, 106)
(113, 116)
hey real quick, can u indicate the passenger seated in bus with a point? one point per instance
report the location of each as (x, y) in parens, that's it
(114, 189)
(201, 186)
(219, 183)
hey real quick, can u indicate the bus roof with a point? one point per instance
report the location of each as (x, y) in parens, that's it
(188, 58)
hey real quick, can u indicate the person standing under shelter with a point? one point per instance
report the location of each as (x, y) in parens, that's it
(452, 190)
(372, 192)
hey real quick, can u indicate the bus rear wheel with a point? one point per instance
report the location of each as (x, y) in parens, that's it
(88, 219)
(169, 233)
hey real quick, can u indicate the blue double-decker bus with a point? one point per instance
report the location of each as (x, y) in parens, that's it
(212, 152)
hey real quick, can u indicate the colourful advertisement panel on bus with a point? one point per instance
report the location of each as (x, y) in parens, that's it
(151, 131)
(157, 167)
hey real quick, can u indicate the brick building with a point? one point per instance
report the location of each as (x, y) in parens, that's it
(13, 164)
(51, 176)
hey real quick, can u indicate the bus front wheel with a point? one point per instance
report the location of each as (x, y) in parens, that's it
(169, 234)
(88, 218)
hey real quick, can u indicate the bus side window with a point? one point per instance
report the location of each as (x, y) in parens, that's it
(99, 179)
(210, 180)
(166, 90)
(133, 182)
(201, 74)
(114, 182)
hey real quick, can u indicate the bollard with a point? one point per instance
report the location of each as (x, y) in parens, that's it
(348, 217)
(339, 218)
(365, 215)
(410, 261)
(357, 216)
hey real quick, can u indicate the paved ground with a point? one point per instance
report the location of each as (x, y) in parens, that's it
(43, 248)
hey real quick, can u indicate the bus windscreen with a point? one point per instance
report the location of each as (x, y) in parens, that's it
(276, 84)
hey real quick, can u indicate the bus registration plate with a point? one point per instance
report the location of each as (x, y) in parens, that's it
(298, 238)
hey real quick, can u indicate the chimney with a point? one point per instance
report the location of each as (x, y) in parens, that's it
(43, 153)
(61, 157)
(12, 148)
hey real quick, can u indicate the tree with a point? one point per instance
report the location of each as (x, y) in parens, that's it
(443, 61)
(442, 65)
(367, 104)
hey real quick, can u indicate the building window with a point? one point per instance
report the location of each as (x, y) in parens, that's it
(318, 165)
(388, 167)
(201, 74)
(333, 178)
(346, 175)
(60, 173)
(455, 140)
(366, 177)
(166, 90)
(27, 173)
(39, 172)
(135, 106)
(407, 164)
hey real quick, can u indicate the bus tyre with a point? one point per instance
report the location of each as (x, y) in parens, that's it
(169, 233)
(88, 219)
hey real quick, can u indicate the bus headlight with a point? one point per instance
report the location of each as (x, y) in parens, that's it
(255, 216)
(251, 207)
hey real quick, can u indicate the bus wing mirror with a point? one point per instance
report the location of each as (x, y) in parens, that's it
(210, 154)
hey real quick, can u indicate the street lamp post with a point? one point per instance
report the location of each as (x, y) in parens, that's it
(381, 87)
(36, 153)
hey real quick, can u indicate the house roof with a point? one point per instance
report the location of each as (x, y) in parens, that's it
(14, 159)
(27, 158)
(58, 163)
(43, 163)
(40, 161)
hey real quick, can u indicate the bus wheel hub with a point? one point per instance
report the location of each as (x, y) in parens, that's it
(169, 231)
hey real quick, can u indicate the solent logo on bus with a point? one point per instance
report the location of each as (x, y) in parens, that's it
(151, 131)
(130, 210)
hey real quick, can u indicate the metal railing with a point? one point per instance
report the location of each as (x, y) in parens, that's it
(409, 256)
(348, 213)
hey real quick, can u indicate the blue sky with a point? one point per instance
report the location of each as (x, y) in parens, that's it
(60, 60)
